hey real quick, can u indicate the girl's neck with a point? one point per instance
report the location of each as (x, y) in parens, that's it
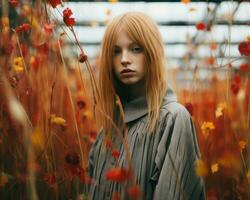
(134, 91)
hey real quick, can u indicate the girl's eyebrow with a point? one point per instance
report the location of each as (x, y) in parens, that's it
(130, 44)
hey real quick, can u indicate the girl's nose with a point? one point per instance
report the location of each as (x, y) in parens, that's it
(125, 59)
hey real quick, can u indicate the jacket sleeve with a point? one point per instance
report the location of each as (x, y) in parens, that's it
(175, 160)
(93, 153)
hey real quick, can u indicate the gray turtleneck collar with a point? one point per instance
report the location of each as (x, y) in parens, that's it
(138, 107)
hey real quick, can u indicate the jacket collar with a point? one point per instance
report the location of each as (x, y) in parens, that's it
(137, 108)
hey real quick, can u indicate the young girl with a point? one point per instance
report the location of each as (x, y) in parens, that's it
(148, 138)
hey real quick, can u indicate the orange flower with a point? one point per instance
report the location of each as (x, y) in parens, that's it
(201, 168)
(248, 175)
(185, 1)
(134, 192)
(220, 109)
(210, 60)
(242, 145)
(34, 62)
(117, 174)
(3, 179)
(214, 167)
(213, 46)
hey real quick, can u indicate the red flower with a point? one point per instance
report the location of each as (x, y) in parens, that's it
(50, 179)
(23, 27)
(117, 174)
(8, 48)
(237, 79)
(80, 104)
(244, 48)
(14, 3)
(54, 3)
(25, 49)
(116, 196)
(244, 68)
(82, 58)
(93, 134)
(35, 62)
(68, 20)
(43, 48)
(210, 61)
(235, 88)
(190, 108)
(201, 26)
(72, 158)
(67, 13)
(108, 143)
(115, 153)
(48, 28)
(134, 192)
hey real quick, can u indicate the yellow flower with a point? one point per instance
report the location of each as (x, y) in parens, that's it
(57, 120)
(3, 179)
(87, 114)
(201, 168)
(37, 139)
(214, 167)
(242, 144)
(5, 22)
(206, 127)
(248, 175)
(18, 64)
(113, 1)
(248, 38)
(220, 109)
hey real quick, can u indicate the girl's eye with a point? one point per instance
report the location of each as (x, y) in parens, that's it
(116, 51)
(136, 49)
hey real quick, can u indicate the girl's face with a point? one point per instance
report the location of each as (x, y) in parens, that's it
(128, 60)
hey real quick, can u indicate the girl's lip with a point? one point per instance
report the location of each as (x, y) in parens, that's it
(127, 71)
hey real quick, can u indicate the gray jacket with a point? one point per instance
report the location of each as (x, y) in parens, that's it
(163, 163)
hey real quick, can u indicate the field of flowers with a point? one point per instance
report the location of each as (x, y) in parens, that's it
(47, 112)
